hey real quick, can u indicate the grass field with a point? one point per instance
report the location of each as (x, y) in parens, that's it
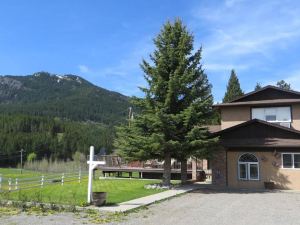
(16, 173)
(73, 193)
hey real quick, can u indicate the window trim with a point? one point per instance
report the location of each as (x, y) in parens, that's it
(248, 178)
(277, 121)
(293, 160)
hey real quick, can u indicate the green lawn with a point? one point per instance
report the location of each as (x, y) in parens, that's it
(74, 193)
(16, 173)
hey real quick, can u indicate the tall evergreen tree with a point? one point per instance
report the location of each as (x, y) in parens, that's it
(233, 88)
(284, 85)
(176, 106)
(257, 87)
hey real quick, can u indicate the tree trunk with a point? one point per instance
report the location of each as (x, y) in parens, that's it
(167, 170)
(183, 171)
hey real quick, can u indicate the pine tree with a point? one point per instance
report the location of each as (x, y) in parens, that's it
(233, 88)
(176, 106)
(257, 87)
(284, 85)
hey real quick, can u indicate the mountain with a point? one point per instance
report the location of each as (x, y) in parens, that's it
(68, 97)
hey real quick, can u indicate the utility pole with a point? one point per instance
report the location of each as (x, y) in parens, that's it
(22, 150)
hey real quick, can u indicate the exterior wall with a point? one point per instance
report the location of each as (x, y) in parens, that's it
(218, 164)
(296, 116)
(231, 116)
(269, 170)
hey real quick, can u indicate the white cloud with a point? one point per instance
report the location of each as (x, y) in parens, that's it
(293, 79)
(220, 66)
(83, 69)
(230, 3)
(246, 29)
(128, 66)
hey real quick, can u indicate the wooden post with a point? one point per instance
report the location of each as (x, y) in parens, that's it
(16, 184)
(9, 184)
(62, 179)
(92, 165)
(79, 177)
(89, 197)
(42, 181)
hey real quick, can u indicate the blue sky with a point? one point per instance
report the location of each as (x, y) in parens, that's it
(104, 41)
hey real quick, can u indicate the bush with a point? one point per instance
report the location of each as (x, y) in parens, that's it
(31, 157)
(55, 166)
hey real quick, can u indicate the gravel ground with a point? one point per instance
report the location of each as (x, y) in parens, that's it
(56, 219)
(222, 209)
(201, 207)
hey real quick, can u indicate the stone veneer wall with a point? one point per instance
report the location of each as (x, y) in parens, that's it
(218, 164)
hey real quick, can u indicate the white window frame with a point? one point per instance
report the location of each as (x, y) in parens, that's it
(248, 169)
(293, 160)
(274, 121)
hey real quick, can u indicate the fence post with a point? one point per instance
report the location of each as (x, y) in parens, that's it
(9, 184)
(42, 181)
(62, 179)
(79, 177)
(16, 184)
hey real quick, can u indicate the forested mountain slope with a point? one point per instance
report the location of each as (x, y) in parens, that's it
(55, 116)
(67, 96)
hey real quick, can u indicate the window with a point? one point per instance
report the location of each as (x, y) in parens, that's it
(280, 115)
(248, 167)
(291, 160)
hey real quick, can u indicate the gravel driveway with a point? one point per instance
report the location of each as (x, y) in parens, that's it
(201, 207)
(223, 209)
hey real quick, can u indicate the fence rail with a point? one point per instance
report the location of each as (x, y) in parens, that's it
(17, 184)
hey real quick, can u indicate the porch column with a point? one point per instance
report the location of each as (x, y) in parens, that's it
(194, 168)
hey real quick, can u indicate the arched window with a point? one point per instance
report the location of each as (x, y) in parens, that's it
(248, 167)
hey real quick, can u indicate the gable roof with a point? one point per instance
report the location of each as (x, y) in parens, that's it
(258, 121)
(290, 93)
(258, 133)
(267, 95)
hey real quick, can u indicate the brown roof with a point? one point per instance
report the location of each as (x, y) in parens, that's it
(214, 128)
(265, 88)
(253, 121)
(267, 95)
(262, 102)
(263, 142)
(258, 133)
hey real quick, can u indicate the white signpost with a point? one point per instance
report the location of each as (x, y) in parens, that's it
(92, 165)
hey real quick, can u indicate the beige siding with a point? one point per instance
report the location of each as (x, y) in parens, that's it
(231, 116)
(269, 170)
(296, 116)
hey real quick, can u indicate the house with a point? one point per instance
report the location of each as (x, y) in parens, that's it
(260, 140)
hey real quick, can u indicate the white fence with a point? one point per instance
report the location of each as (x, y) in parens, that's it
(16, 184)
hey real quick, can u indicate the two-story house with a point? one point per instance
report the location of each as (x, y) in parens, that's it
(260, 139)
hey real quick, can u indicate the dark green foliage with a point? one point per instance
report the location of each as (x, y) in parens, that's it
(233, 88)
(215, 118)
(177, 102)
(284, 85)
(53, 138)
(257, 87)
(68, 96)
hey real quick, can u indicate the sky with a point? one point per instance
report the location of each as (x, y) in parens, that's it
(104, 41)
